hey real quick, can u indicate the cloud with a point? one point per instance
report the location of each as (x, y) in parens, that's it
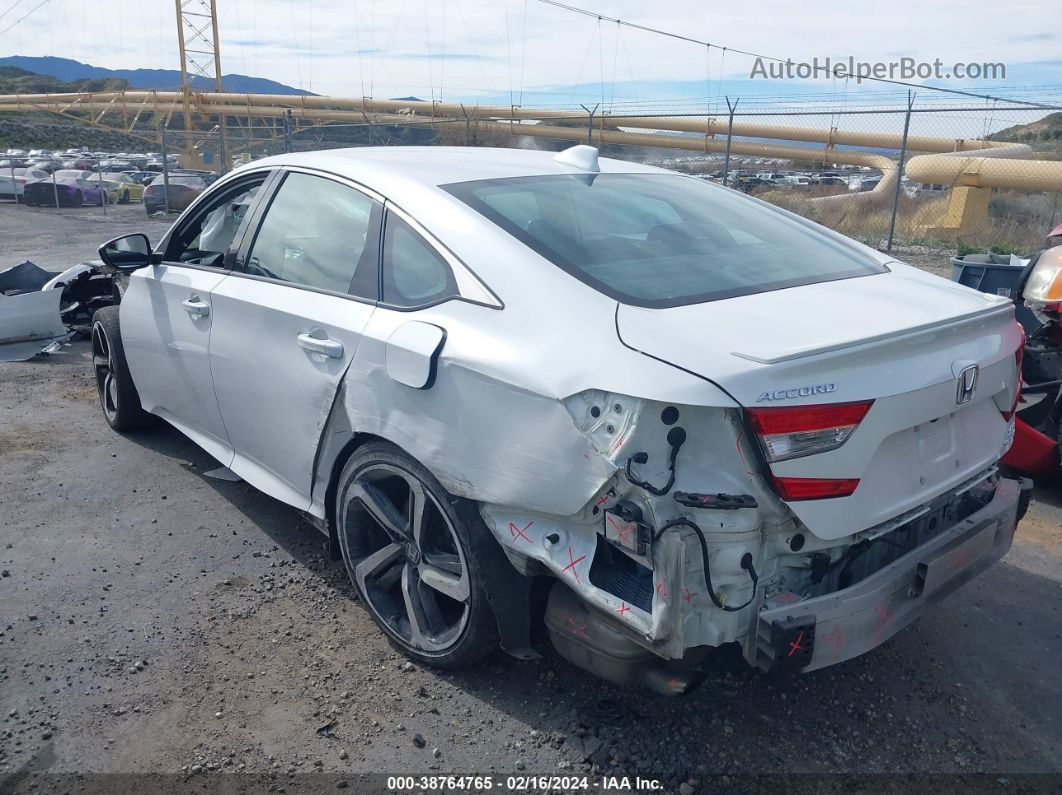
(1034, 37)
(443, 56)
(477, 49)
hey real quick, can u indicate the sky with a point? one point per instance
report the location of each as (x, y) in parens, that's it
(530, 53)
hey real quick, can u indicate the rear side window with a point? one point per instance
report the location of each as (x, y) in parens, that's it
(316, 233)
(414, 273)
(660, 240)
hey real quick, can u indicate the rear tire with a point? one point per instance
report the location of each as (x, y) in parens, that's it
(118, 395)
(406, 549)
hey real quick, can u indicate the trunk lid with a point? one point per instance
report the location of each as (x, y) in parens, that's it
(898, 338)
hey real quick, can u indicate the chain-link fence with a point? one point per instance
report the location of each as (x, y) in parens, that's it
(958, 177)
(955, 178)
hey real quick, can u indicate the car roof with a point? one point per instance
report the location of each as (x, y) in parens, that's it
(440, 165)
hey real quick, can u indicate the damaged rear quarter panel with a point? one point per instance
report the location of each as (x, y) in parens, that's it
(493, 426)
(482, 434)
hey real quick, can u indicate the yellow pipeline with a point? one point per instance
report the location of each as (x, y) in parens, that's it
(708, 126)
(948, 166)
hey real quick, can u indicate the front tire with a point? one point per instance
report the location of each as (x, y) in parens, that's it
(406, 548)
(118, 395)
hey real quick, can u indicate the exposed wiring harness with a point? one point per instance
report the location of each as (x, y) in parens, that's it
(746, 564)
(676, 437)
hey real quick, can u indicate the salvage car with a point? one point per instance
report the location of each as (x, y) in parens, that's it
(68, 191)
(1035, 285)
(126, 188)
(112, 189)
(13, 180)
(693, 418)
(143, 178)
(181, 188)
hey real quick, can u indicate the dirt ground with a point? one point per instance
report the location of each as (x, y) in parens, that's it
(157, 622)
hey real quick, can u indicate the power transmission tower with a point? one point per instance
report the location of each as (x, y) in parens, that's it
(197, 39)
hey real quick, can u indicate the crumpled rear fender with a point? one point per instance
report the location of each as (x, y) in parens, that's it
(496, 424)
(482, 438)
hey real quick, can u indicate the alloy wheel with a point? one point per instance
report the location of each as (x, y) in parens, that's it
(406, 558)
(103, 364)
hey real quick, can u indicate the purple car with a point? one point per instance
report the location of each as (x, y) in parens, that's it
(71, 191)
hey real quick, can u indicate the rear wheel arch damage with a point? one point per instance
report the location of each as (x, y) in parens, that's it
(487, 574)
(593, 433)
(614, 427)
(671, 610)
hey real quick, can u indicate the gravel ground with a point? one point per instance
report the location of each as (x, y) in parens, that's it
(156, 622)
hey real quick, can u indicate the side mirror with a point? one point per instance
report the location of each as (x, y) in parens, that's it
(127, 253)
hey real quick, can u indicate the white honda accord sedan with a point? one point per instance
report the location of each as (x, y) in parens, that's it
(684, 417)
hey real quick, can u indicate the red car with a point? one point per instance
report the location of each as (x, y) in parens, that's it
(184, 187)
(1038, 425)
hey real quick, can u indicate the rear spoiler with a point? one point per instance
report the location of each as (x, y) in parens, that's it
(998, 311)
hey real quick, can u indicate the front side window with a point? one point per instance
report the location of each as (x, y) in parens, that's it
(661, 240)
(206, 238)
(316, 233)
(414, 273)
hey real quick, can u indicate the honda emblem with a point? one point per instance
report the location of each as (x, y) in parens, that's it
(967, 384)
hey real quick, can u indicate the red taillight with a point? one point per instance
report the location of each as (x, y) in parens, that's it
(796, 489)
(1018, 355)
(796, 431)
(808, 418)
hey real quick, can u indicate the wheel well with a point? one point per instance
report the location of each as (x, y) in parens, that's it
(341, 459)
(508, 596)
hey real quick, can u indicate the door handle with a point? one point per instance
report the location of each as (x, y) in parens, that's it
(195, 307)
(323, 345)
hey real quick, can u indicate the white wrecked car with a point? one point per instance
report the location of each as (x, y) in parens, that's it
(700, 419)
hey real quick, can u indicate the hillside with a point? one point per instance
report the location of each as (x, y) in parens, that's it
(14, 80)
(51, 131)
(68, 70)
(1049, 128)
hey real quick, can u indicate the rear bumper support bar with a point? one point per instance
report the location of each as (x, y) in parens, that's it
(828, 629)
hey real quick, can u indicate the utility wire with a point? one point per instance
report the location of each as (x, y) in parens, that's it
(10, 8)
(523, 52)
(5, 30)
(701, 43)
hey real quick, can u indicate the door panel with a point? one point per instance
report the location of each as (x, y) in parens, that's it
(287, 326)
(278, 354)
(167, 314)
(167, 346)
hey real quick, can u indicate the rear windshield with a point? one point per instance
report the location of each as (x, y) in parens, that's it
(661, 240)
